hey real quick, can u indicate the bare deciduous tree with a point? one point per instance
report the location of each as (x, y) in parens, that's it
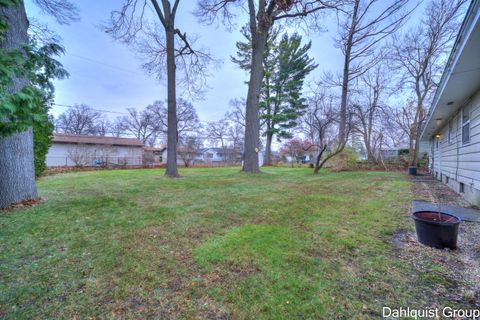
(396, 123)
(187, 149)
(80, 119)
(367, 110)
(419, 54)
(237, 112)
(364, 25)
(117, 127)
(235, 135)
(102, 127)
(262, 16)
(187, 120)
(217, 133)
(142, 125)
(155, 35)
(320, 124)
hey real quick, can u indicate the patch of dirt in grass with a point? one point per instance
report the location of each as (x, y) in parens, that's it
(183, 292)
(454, 274)
(21, 205)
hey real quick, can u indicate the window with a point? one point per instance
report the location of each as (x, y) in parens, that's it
(450, 129)
(462, 187)
(466, 124)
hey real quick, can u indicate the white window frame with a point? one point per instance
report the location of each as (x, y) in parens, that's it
(466, 123)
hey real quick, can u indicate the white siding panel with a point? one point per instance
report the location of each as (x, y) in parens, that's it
(63, 154)
(458, 161)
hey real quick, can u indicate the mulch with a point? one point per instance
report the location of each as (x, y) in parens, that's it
(21, 205)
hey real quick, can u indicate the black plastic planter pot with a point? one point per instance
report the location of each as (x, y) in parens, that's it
(412, 171)
(436, 229)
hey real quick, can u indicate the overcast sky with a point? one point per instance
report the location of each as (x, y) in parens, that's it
(107, 75)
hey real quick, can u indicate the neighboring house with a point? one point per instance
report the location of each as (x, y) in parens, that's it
(180, 161)
(212, 155)
(392, 153)
(220, 155)
(69, 150)
(389, 153)
(207, 155)
(300, 159)
(453, 123)
(152, 155)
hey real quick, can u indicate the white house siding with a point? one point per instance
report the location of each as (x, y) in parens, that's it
(60, 154)
(458, 162)
(180, 162)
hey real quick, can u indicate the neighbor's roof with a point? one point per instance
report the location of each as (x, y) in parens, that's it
(83, 139)
(461, 77)
(153, 149)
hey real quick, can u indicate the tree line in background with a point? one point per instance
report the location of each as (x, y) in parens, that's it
(388, 80)
(387, 70)
(150, 126)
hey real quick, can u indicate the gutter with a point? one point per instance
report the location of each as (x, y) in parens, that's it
(466, 29)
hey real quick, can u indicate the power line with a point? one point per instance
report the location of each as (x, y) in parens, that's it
(121, 69)
(99, 110)
(102, 63)
(108, 111)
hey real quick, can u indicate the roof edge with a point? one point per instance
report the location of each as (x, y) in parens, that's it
(471, 16)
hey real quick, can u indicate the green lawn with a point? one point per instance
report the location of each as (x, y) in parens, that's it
(215, 243)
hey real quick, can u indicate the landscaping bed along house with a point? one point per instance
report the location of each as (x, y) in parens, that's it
(220, 244)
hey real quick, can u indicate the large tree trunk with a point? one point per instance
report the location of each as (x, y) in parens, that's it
(416, 130)
(411, 147)
(252, 123)
(367, 140)
(342, 126)
(17, 171)
(172, 136)
(416, 149)
(318, 162)
(268, 150)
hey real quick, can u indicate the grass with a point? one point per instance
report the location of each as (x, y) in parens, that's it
(214, 243)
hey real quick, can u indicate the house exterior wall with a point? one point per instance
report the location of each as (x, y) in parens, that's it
(70, 154)
(164, 158)
(454, 162)
(212, 156)
(215, 157)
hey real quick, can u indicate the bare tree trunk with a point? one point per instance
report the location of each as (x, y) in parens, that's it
(268, 150)
(172, 136)
(416, 149)
(342, 126)
(17, 172)
(411, 147)
(343, 102)
(415, 134)
(317, 161)
(321, 162)
(252, 123)
(370, 155)
(367, 139)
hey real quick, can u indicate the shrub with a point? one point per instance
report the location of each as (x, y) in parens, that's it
(41, 143)
(346, 160)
